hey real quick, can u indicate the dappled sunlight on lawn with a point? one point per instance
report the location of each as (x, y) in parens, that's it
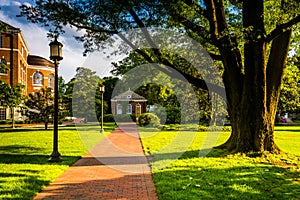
(221, 176)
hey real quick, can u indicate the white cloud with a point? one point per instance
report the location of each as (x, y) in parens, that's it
(16, 3)
(38, 43)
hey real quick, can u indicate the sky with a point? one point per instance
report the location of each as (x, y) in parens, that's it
(38, 43)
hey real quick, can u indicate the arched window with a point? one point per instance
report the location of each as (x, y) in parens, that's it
(51, 81)
(38, 78)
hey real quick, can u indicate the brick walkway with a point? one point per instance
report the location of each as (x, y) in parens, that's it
(116, 168)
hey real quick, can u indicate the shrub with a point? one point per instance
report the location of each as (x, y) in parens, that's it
(173, 115)
(108, 118)
(9, 121)
(149, 119)
(19, 121)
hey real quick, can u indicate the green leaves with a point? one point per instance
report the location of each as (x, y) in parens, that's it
(3, 68)
(10, 96)
(289, 100)
(39, 106)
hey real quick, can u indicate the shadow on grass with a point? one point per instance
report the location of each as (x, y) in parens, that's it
(6, 130)
(30, 184)
(214, 152)
(39, 159)
(245, 182)
(18, 148)
(288, 130)
(18, 154)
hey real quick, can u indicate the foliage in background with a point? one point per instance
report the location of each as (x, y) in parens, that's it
(83, 93)
(39, 107)
(289, 100)
(3, 65)
(10, 96)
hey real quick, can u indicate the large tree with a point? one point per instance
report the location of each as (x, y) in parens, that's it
(250, 38)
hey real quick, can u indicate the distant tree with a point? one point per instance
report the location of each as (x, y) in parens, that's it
(289, 100)
(67, 97)
(10, 97)
(163, 95)
(39, 107)
(62, 87)
(85, 85)
(109, 83)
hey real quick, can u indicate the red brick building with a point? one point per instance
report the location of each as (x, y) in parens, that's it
(33, 72)
(128, 103)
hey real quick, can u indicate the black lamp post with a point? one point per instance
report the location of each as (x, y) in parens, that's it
(102, 89)
(56, 56)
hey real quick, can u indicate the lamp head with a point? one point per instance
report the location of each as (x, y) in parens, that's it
(56, 50)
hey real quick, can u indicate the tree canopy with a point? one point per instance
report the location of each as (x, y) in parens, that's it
(248, 39)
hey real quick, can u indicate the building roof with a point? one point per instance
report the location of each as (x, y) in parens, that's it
(129, 96)
(8, 28)
(37, 60)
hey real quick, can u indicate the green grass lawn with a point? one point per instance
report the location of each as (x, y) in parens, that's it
(24, 154)
(179, 173)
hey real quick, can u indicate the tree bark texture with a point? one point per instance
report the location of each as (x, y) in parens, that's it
(253, 96)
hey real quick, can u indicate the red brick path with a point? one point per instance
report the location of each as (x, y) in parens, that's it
(116, 168)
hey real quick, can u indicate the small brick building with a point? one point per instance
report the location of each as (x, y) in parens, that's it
(128, 103)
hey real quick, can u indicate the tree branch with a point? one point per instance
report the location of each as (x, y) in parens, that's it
(200, 30)
(212, 18)
(193, 80)
(143, 28)
(282, 28)
(102, 30)
(196, 7)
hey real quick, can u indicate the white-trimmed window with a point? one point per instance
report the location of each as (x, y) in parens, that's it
(129, 109)
(38, 78)
(51, 81)
(2, 113)
(119, 109)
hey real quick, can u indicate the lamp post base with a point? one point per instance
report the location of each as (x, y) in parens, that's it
(101, 130)
(55, 157)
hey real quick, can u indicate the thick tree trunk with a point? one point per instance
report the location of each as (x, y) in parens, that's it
(252, 107)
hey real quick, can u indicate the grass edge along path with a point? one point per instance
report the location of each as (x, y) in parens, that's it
(24, 154)
(220, 176)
